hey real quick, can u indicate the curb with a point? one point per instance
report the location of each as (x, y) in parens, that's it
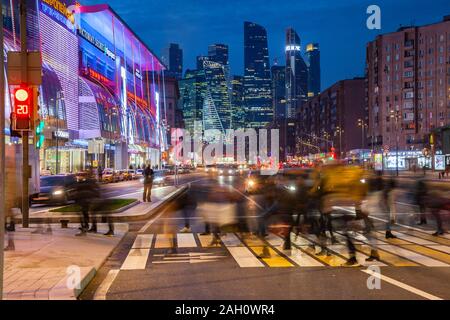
(77, 219)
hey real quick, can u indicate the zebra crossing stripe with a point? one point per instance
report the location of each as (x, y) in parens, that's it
(268, 255)
(427, 236)
(206, 241)
(186, 240)
(164, 241)
(143, 241)
(241, 254)
(309, 247)
(136, 259)
(423, 242)
(408, 254)
(295, 255)
(418, 249)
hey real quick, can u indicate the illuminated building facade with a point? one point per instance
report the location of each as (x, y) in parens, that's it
(314, 78)
(257, 80)
(296, 75)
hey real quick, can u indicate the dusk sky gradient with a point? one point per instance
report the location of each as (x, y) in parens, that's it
(338, 26)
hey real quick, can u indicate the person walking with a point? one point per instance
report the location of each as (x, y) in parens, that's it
(148, 183)
(420, 198)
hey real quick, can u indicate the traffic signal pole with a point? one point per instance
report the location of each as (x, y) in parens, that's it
(2, 156)
(25, 134)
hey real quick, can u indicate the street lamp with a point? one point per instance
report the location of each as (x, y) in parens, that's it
(395, 115)
(362, 124)
(339, 131)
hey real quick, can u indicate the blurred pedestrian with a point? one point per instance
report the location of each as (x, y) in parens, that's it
(420, 199)
(148, 183)
(189, 204)
(100, 173)
(86, 192)
(388, 205)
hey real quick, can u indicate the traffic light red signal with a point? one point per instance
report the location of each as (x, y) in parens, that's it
(23, 108)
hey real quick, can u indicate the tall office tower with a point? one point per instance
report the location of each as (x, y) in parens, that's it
(296, 74)
(173, 59)
(217, 103)
(279, 91)
(218, 53)
(200, 60)
(192, 92)
(237, 103)
(257, 81)
(313, 56)
(408, 87)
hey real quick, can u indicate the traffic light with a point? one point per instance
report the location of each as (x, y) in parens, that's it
(23, 109)
(39, 136)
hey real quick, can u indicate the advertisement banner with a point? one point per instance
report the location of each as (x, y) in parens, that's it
(378, 160)
(439, 162)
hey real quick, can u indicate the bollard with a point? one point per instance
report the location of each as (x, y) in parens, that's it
(64, 224)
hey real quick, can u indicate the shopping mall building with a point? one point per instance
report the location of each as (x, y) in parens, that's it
(101, 91)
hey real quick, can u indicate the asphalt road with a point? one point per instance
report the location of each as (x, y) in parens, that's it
(157, 262)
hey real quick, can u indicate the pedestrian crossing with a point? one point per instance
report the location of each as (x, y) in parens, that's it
(411, 248)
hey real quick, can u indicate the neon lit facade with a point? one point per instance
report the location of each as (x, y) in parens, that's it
(100, 82)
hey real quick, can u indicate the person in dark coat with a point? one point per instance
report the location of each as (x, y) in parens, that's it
(148, 184)
(420, 198)
(86, 192)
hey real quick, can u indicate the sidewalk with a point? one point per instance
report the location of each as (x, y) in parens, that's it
(55, 266)
(141, 211)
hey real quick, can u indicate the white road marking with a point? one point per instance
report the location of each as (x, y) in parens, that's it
(136, 259)
(243, 256)
(402, 285)
(248, 198)
(410, 255)
(296, 255)
(143, 241)
(186, 240)
(102, 290)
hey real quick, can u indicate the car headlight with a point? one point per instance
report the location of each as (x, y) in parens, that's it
(58, 192)
(363, 181)
(141, 180)
(292, 188)
(251, 183)
(230, 171)
(158, 179)
(221, 171)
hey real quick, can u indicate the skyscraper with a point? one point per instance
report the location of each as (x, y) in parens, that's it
(217, 103)
(237, 103)
(218, 53)
(257, 82)
(313, 56)
(173, 59)
(200, 60)
(296, 74)
(279, 91)
(192, 93)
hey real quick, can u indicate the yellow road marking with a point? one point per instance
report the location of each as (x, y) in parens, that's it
(416, 248)
(331, 260)
(164, 241)
(258, 247)
(206, 241)
(387, 257)
(427, 236)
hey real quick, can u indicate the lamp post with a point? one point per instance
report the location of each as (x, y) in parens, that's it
(339, 131)
(362, 124)
(395, 115)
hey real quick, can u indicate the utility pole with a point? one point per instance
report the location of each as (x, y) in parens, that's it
(2, 156)
(25, 134)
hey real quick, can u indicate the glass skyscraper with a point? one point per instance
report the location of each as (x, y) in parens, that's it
(313, 56)
(173, 59)
(237, 103)
(257, 80)
(279, 91)
(192, 93)
(296, 74)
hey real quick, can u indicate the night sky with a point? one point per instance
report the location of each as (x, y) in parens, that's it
(339, 26)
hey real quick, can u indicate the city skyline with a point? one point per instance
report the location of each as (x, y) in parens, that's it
(222, 23)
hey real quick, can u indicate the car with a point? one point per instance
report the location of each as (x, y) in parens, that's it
(170, 169)
(55, 190)
(129, 174)
(210, 168)
(256, 183)
(108, 175)
(119, 175)
(227, 170)
(81, 176)
(159, 178)
(139, 173)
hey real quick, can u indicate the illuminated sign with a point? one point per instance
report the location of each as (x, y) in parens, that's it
(61, 134)
(292, 48)
(439, 162)
(99, 77)
(60, 12)
(378, 162)
(138, 100)
(99, 45)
